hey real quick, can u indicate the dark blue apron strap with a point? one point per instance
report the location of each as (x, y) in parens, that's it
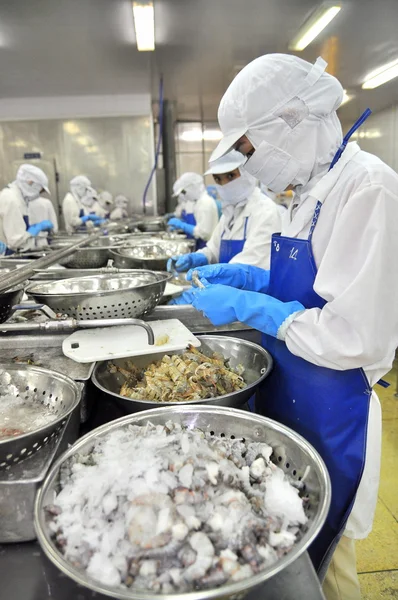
(245, 228)
(336, 157)
(383, 383)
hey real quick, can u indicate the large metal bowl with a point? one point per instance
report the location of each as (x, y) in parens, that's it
(291, 452)
(150, 254)
(256, 361)
(110, 296)
(36, 385)
(94, 256)
(152, 224)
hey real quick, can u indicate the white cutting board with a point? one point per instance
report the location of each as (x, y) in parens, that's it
(107, 343)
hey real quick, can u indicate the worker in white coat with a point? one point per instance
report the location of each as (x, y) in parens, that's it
(40, 210)
(243, 234)
(199, 216)
(16, 232)
(328, 306)
(105, 200)
(80, 207)
(120, 210)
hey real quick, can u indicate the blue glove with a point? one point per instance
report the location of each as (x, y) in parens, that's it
(243, 277)
(178, 224)
(185, 298)
(95, 218)
(38, 227)
(186, 261)
(3, 248)
(222, 304)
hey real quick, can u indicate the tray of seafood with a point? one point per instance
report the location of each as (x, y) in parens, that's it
(189, 501)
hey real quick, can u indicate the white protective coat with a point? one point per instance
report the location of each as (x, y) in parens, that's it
(12, 225)
(206, 216)
(71, 209)
(263, 220)
(355, 242)
(42, 209)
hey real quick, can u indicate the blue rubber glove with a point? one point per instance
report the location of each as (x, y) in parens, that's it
(178, 224)
(95, 218)
(222, 305)
(185, 298)
(186, 261)
(3, 248)
(243, 277)
(39, 227)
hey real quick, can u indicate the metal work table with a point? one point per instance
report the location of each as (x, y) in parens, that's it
(28, 575)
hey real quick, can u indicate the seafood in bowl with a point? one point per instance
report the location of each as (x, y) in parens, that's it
(166, 509)
(181, 378)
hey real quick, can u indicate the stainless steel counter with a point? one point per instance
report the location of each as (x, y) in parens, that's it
(28, 575)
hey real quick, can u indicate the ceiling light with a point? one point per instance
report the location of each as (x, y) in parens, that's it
(144, 25)
(346, 97)
(316, 23)
(212, 135)
(83, 140)
(381, 75)
(71, 127)
(91, 149)
(18, 144)
(197, 135)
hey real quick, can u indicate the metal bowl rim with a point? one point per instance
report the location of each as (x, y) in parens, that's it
(54, 375)
(223, 591)
(246, 343)
(166, 277)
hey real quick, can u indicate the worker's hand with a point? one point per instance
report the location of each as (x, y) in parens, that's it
(185, 298)
(37, 228)
(94, 218)
(3, 248)
(186, 261)
(179, 224)
(240, 276)
(222, 305)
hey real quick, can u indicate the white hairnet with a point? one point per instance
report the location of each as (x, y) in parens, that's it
(121, 201)
(227, 163)
(287, 106)
(79, 185)
(27, 173)
(105, 199)
(192, 183)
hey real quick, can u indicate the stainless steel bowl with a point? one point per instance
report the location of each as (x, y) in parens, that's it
(291, 452)
(94, 256)
(48, 388)
(255, 359)
(152, 254)
(102, 296)
(152, 224)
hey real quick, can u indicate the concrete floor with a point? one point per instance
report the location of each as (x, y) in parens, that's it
(377, 556)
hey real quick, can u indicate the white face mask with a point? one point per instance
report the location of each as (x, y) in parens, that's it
(190, 195)
(29, 191)
(87, 200)
(274, 167)
(236, 191)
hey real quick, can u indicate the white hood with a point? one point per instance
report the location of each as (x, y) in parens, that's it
(289, 107)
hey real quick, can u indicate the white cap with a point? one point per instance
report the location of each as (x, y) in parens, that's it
(80, 180)
(31, 173)
(105, 198)
(227, 163)
(186, 180)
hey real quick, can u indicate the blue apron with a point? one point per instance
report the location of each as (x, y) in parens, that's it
(230, 248)
(9, 252)
(327, 407)
(190, 219)
(83, 227)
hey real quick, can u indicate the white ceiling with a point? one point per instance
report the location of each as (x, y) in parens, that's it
(87, 47)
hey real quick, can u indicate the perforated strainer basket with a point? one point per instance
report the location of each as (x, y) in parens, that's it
(110, 296)
(57, 394)
(292, 453)
(7, 300)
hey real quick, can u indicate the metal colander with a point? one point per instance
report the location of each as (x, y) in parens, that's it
(48, 388)
(113, 296)
(150, 254)
(292, 453)
(94, 256)
(7, 300)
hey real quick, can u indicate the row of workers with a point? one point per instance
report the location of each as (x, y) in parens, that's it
(26, 216)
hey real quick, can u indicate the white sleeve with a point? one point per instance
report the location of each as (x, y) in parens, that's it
(52, 216)
(357, 276)
(205, 218)
(14, 226)
(212, 248)
(71, 213)
(261, 224)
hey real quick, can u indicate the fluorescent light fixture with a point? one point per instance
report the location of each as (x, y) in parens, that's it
(71, 127)
(346, 97)
(381, 75)
(196, 135)
(83, 140)
(316, 23)
(144, 25)
(91, 149)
